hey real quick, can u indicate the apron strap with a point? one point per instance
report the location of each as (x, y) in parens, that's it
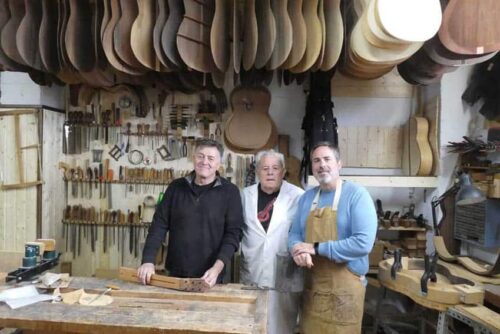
(336, 198)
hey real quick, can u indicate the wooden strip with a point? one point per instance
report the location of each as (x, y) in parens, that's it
(4, 112)
(20, 185)
(19, 155)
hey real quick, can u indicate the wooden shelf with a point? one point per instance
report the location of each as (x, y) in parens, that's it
(388, 181)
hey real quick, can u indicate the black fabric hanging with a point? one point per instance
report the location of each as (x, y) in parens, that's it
(319, 123)
(484, 85)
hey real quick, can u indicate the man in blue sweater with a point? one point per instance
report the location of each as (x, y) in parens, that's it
(332, 234)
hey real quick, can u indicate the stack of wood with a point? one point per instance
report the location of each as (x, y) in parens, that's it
(414, 246)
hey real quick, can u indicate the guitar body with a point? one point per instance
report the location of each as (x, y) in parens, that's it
(27, 34)
(141, 35)
(169, 33)
(6, 61)
(236, 26)
(250, 35)
(420, 149)
(471, 27)
(78, 36)
(266, 27)
(321, 17)
(313, 37)
(219, 34)
(161, 18)
(108, 40)
(284, 32)
(9, 45)
(334, 30)
(299, 34)
(121, 33)
(250, 128)
(47, 38)
(193, 37)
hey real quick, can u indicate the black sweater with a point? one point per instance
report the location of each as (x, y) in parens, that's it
(201, 229)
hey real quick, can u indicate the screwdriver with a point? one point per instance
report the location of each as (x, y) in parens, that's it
(109, 288)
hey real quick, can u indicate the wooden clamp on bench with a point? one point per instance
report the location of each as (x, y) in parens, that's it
(181, 284)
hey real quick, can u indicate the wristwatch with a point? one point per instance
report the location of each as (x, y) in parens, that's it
(316, 248)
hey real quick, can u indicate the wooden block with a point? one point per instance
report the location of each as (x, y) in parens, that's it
(377, 254)
(50, 244)
(420, 236)
(471, 294)
(182, 284)
(66, 267)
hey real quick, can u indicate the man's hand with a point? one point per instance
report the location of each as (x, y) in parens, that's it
(210, 276)
(145, 272)
(303, 248)
(304, 260)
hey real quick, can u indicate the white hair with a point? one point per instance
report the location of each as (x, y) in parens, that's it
(271, 153)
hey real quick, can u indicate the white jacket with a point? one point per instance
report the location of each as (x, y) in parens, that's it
(258, 248)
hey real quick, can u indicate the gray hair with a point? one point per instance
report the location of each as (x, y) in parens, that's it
(330, 145)
(206, 142)
(271, 153)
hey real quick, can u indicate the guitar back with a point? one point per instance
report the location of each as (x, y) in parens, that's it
(169, 33)
(27, 34)
(299, 34)
(313, 37)
(219, 34)
(284, 28)
(6, 61)
(193, 37)
(266, 30)
(141, 36)
(121, 33)
(47, 40)
(250, 127)
(161, 18)
(78, 36)
(250, 35)
(9, 45)
(334, 30)
(471, 27)
(108, 40)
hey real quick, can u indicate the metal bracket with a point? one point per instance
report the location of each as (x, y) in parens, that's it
(116, 153)
(164, 153)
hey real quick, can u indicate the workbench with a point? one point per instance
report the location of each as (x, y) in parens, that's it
(146, 309)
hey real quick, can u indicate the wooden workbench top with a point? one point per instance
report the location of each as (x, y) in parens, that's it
(146, 309)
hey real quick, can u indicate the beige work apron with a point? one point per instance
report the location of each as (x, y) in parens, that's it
(333, 296)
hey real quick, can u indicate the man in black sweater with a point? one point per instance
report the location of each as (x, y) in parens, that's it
(202, 213)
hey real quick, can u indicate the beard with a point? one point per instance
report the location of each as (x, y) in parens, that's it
(324, 178)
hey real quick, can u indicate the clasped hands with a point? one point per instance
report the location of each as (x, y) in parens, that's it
(302, 254)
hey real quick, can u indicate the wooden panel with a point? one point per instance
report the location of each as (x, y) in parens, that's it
(18, 207)
(376, 147)
(54, 185)
(389, 85)
(10, 261)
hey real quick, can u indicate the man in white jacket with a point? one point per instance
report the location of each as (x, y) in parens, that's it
(268, 210)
